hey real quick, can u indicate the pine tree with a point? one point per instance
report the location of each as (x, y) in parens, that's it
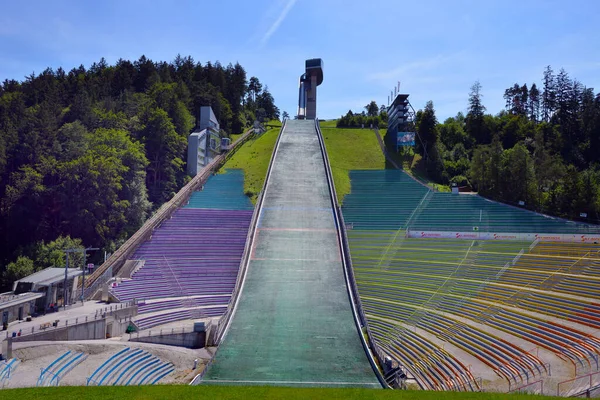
(475, 121)
(549, 95)
(534, 103)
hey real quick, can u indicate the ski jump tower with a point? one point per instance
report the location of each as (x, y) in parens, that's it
(307, 97)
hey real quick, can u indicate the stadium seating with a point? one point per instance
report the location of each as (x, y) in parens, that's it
(451, 212)
(7, 367)
(146, 322)
(130, 367)
(471, 294)
(53, 373)
(196, 252)
(192, 259)
(392, 200)
(382, 200)
(223, 192)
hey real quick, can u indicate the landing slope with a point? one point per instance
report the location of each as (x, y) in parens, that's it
(294, 324)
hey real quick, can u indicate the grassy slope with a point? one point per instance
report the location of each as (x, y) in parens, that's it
(350, 149)
(413, 165)
(253, 157)
(328, 124)
(230, 392)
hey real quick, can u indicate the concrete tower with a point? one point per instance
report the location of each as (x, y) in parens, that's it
(307, 97)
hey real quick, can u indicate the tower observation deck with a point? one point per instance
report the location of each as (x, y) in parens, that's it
(307, 96)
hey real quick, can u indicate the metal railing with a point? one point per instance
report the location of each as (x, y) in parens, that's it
(56, 324)
(578, 385)
(117, 259)
(89, 291)
(531, 388)
(159, 332)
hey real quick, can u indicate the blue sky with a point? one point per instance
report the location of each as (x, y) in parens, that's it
(436, 48)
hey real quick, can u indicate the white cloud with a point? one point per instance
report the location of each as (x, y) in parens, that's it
(284, 12)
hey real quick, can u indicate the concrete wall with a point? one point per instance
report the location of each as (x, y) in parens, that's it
(195, 161)
(208, 119)
(190, 340)
(95, 329)
(13, 311)
(311, 99)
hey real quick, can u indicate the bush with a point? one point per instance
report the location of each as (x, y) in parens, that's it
(460, 180)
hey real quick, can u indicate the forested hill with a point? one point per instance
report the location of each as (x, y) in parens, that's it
(543, 149)
(90, 153)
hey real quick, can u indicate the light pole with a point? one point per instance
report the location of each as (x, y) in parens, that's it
(65, 291)
(84, 266)
(84, 253)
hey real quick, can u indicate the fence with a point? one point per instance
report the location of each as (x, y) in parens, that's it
(159, 332)
(89, 291)
(536, 387)
(116, 260)
(578, 385)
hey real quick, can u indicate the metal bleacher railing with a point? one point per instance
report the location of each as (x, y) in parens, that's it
(7, 367)
(52, 374)
(357, 311)
(116, 260)
(130, 367)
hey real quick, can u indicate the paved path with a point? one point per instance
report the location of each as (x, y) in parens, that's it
(294, 325)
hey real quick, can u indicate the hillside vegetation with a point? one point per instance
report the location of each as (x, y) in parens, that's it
(350, 149)
(174, 392)
(542, 149)
(253, 157)
(86, 155)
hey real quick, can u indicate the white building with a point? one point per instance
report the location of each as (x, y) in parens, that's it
(204, 144)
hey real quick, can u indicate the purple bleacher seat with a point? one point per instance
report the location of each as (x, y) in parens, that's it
(195, 252)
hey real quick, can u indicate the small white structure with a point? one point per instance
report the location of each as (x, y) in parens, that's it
(204, 144)
(47, 285)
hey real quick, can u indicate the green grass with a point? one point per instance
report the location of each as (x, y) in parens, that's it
(253, 157)
(235, 136)
(274, 122)
(179, 392)
(328, 124)
(350, 149)
(414, 165)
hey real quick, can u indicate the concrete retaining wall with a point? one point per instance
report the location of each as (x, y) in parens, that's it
(190, 340)
(85, 331)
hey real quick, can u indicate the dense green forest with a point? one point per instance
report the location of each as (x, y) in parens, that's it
(543, 149)
(87, 155)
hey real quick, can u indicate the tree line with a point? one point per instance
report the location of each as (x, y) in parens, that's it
(87, 155)
(543, 149)
(373, 116)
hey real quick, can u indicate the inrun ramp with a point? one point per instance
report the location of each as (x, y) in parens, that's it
(293, 324)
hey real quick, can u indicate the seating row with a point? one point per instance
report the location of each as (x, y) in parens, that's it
(130, 367)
